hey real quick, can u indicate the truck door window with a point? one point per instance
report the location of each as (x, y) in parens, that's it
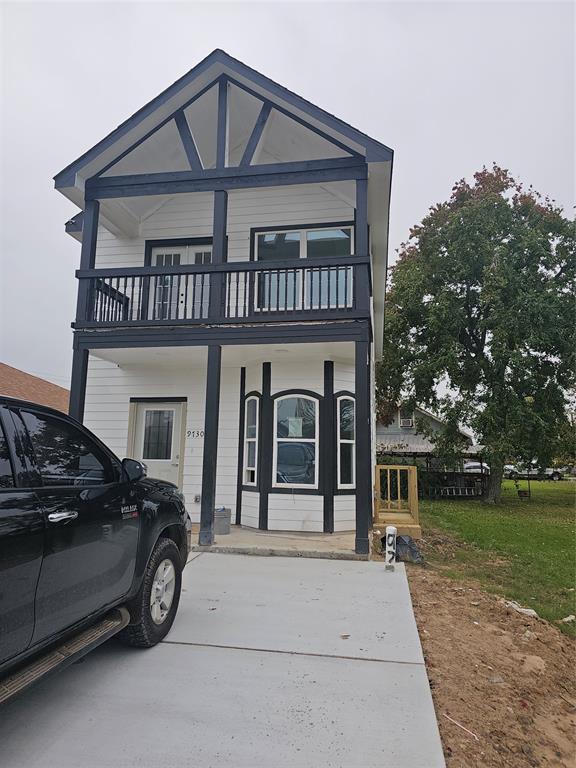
(64, 455)
(6, 474)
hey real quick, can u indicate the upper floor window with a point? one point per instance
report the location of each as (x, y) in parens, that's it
(304, 243)
(346, 442)
(315, 287)
(251, 441)
(295, 442)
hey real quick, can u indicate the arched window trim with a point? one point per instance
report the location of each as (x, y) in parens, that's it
(305, 395)
(256, 440)
(345, 441)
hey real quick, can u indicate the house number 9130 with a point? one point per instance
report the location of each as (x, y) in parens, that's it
(195, 433)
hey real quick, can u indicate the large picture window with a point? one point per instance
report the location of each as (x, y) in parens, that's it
(346, 442)
(295, 442)
(251, 441)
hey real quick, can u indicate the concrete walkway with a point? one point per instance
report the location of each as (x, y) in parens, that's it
(272, 663)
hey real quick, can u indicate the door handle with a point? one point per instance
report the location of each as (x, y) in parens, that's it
(61, 517)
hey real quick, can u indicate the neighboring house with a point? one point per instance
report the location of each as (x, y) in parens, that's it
(17, 383)
(231, 299)
(401, 436)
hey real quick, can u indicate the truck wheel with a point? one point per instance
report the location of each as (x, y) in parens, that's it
(155, 606)
(556, 476)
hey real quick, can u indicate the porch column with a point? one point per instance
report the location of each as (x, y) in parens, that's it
(210, 456)
(78, 384)
(219, 255)
(87, 261)
(362, 248)
(363, 464)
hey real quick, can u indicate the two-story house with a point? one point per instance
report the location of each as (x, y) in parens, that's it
(231, 299)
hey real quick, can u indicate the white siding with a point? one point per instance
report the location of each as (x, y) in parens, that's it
(295, 512)
(344, 513)
(250, 508)
(108, 392)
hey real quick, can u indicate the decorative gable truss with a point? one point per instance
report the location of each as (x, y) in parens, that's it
(226, 125)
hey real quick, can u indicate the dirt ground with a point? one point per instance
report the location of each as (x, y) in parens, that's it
(507, 678)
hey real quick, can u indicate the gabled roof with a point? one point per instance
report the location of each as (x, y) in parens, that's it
(206, 72)
(24, 386)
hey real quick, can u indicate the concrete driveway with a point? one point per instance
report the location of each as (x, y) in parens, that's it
(272, 662)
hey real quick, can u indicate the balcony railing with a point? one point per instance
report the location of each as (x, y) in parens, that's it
(234, 292)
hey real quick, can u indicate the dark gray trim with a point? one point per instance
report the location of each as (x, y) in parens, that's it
(363, 468)
(362, 283)
(256, 135)
(87, 254)
(327, 446)
(219, 255)
(241, 429)
(273, 175)
(210, 452)
(122, 338)
(265, 446)
(78, 384)
(158, 399)
(226, 266)
(375, 150)
(188, 141)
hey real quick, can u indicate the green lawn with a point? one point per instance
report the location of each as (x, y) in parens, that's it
(524, 549)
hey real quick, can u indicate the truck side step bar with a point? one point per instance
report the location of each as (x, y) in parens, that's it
(64, 654)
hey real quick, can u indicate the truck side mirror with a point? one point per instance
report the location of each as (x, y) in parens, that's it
(133, 470)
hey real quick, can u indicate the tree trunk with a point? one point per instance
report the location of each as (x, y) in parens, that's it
(494, 486)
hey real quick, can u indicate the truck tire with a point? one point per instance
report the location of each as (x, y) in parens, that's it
(154, 607)
(556, 476)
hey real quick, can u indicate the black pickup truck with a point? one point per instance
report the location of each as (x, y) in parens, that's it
(89, 547)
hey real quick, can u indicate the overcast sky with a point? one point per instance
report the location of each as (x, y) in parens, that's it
(449, 86)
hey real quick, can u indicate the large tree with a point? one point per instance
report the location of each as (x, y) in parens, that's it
(480, 319)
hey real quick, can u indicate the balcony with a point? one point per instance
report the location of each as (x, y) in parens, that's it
(230, 293)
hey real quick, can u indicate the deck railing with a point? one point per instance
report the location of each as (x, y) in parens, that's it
(234, 292)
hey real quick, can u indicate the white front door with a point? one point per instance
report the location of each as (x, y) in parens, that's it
(158, 437)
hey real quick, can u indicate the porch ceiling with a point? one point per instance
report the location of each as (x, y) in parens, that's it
(232, 356)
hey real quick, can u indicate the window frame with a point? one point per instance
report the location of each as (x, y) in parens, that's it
(115, 464)
(303, 229)
(345, 441)
(291, 395)
(255, 440)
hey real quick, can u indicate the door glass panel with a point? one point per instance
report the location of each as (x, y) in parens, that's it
(331, 288)
(6, 475)
(64, 455)
(158, 426)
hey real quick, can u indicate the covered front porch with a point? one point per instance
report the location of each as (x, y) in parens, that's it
(273, 432)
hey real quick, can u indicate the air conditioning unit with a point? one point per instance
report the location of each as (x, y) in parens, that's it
(406, 423)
